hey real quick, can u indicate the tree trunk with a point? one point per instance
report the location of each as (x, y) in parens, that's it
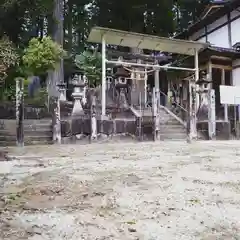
(57, 76)
(50, 25)
(41, 26)
(70, 26)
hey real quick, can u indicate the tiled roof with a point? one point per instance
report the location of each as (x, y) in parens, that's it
(220, 51)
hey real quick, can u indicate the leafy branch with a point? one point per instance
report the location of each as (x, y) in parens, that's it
(41, 56)
(91, 65)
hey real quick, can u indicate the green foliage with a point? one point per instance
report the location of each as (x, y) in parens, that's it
(8, 57)
(37, 6)
(91, 65)
(41, 56)
(33, 18)
(39, 99)
(8, 94)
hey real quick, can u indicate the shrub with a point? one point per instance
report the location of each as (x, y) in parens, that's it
(41, 55)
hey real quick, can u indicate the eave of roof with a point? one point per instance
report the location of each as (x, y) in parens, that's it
(220, 51)
(209, 18)
(209, 9)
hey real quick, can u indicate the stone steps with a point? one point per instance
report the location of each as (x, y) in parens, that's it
(35, 132)
(172, 136)
(40, 133)
(171, 128)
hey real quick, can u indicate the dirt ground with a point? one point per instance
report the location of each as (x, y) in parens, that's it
(121, 191)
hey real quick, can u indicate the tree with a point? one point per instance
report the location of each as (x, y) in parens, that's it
(91, 65)
(27, 21)
(187, 12)
(69, 21)
(41, 56)
(8, 57)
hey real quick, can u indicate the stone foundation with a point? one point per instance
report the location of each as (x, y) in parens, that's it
(107, 127)
(237, 130)
(223, 130)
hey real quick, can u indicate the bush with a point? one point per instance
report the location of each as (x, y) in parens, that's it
(41, 55)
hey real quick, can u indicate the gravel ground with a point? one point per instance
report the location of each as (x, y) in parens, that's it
(122, 191)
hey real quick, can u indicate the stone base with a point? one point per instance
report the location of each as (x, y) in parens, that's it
(237, 130)
(106, 127)
(102, 138)
(223, 131)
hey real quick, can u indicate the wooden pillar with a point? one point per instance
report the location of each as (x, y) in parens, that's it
(211, 105)
(156, 84)
(211, 115)
(169, 95)
(103, 76)
(145, 88)
(225, 105)
(139, 120)
(156, 80)
(20, 111)
(154, 113)
(192, 108)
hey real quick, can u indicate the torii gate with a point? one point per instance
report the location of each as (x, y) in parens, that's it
(143, 41)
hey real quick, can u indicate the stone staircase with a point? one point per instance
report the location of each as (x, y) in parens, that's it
(35, 132)
(172, 128)
(38, 132)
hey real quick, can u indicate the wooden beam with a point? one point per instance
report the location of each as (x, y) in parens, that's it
(223, 77)
(220, 58)
(218, 66)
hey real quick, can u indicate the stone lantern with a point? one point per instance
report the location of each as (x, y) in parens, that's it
(79, 94)
(62, 89)
(121, 84)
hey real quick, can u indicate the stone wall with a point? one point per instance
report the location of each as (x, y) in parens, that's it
(223, 130)
(107, 127)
